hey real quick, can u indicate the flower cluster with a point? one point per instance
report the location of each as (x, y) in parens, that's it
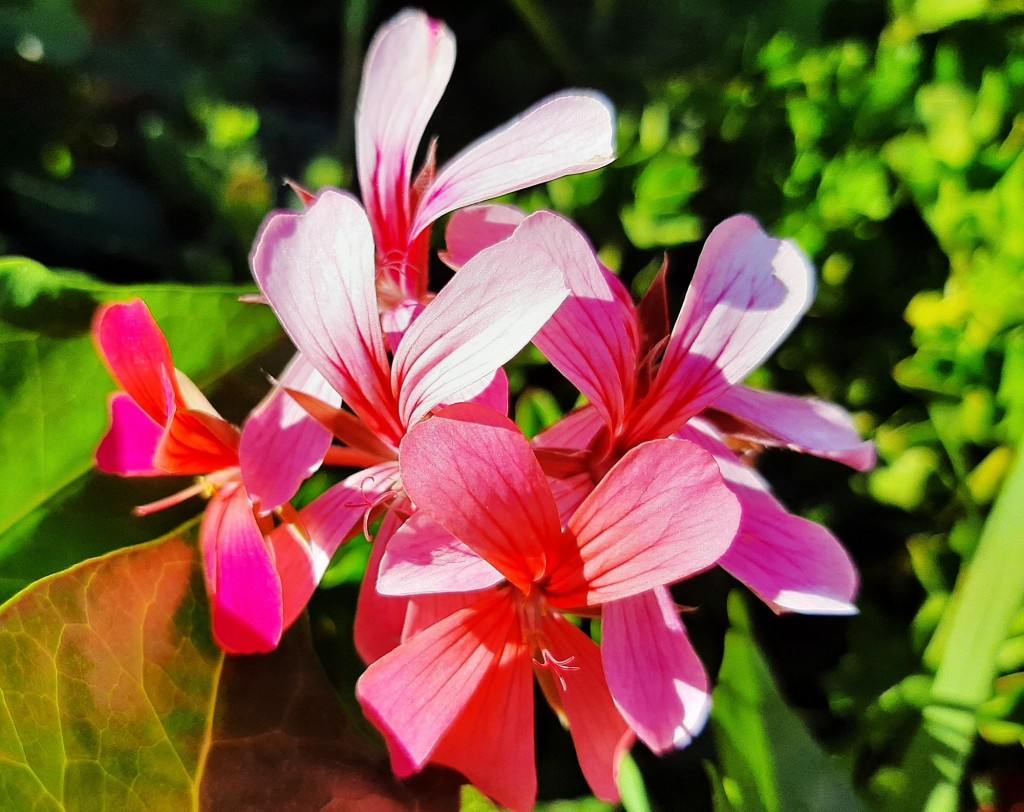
(488, 545)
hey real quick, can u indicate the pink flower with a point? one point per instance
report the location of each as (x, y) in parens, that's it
(644, 382)
(162, 425)
(317, 271)
(457, 690)
(407, 68)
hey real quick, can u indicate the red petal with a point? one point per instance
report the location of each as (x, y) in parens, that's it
(598, 730)
(418, 691)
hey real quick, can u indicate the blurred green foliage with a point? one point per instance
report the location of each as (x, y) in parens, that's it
(146, 141)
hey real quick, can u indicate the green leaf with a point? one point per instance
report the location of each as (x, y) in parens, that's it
(113, 695)
(631, 785)
(988, 595)
(54, 409)
(536, 410)
(767, 755)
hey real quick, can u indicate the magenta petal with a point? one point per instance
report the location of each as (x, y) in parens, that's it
(130, 444)
(281, 444)
(317, 270)
(592, 339)
(481, 319)
(471, 230)
(423, 558)
(803, 424)
(564, 134)
(243, 584)
(417, 692)
(656, 678)
(138, 355)
(661, 514)
(471, 470)
(407, 68)
(598, 730)
(748, 292)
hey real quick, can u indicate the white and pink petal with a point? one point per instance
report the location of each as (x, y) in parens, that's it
(565, 134)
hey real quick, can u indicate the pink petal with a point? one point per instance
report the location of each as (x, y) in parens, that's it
(471, 230)
(138, 355)
(426, 610)
(472, 471)
(242, 581)
(803, 424)
(564, 134)
(661, 514)
(747, 294)
(491, 392)
(407, 68)
(396, 320)
(130, 444)
(592, 339)
(655, 676)
(577, 430)
(297, 569)
(424, 558)
(336, 515)
(569, 494)
(481, 319)
(417, 692)
(281, 445)
(317, 270)
(380, 619)
(491, 743)
(792, 564)
(598, 730)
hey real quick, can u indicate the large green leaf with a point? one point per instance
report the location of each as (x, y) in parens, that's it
(769, 760)
(53, 409)
(114, 696)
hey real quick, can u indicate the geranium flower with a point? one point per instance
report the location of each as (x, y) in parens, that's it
(407, 68)
(317, 271)
(162, 425)
(457, 690)
(643, 382)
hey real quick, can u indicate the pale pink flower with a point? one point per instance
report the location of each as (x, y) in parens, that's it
(407, 68)
(162, 425)
(457, 690)
(317, 271)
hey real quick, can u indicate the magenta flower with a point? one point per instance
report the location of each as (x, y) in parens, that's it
(457, 691)
(317, 271)
(162, 425)
(407, 68)
(644, 383)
